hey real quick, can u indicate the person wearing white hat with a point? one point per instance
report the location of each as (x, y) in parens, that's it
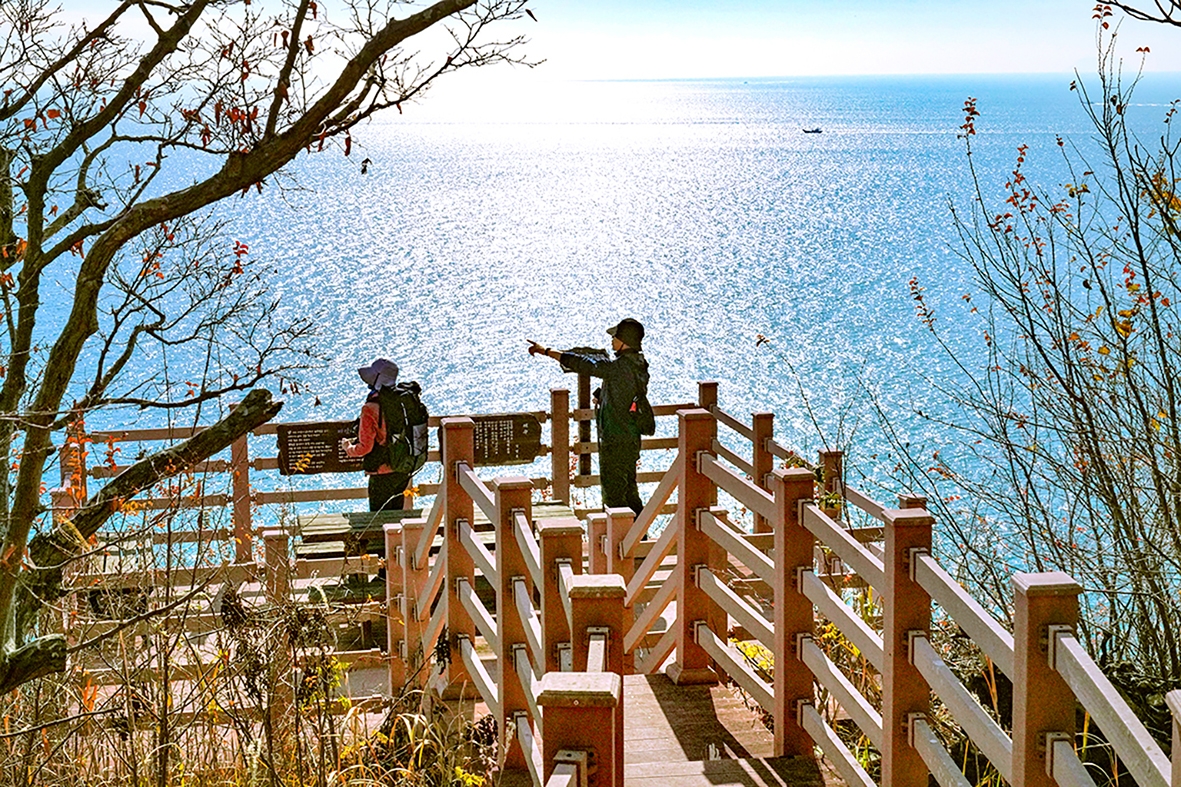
(386, 488)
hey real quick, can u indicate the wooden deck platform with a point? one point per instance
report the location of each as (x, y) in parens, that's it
(671, 733)
(703, 735)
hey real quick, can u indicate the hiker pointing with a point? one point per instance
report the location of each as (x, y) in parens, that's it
(622, 411)
(391, 436)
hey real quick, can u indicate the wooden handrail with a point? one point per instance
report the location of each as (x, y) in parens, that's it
(477, 491)
(867, 719)
(980, 626)
(484, 683)
(649, 616)
(647, 516)
(742, 612)
(847, 548)
(833, 747)
(715, 525)
(736, 486)
(423, 550)
(1133, 744)
(529, 619)
(947, 773)
(651, 564)
(734, 665)
(730, 421)
(863, 502)
(530, 549)
(733, 458)
(973, 719)
(480, 554)
(471, 602)
(851, 626)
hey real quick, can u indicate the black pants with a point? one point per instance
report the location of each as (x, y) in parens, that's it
(385, 491)
(617, 475)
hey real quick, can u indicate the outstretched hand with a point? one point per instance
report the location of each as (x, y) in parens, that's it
(535, 348)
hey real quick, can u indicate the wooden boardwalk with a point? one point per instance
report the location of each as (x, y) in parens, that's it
(696, 736)
(703, 735)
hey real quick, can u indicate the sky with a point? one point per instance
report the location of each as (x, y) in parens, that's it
(661, 39)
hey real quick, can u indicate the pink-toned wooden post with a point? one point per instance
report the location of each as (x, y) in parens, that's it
(907, 609)
(596, 602)
(694, 548)
(457, 445)
(559, 424)
(793, 611)
(596, 538)
(1042, 702)
(513, 496)
(414, 577)
(395, 620)
(707, 394)
(619, 523)
(240, 490)
(561, 540)
(833, 466)
(1173, 700)
(277, 565)
(908, 500)
(584, 424)
(73, 464)
(579, 710)
(762, 460)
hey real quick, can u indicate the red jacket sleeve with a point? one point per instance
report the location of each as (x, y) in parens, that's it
(372, 431)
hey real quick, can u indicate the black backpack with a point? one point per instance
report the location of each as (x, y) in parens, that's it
(642, 411)
(405, 418)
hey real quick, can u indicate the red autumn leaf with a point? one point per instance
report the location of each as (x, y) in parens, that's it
(348, 144)
(53, 114)
(308, 43)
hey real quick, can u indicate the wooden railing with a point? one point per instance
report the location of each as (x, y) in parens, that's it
(559, 639)
(731, 585)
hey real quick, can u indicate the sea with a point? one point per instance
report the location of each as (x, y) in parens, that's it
(776, 262)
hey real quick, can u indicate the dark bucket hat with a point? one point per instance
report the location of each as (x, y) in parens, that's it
(628, 331)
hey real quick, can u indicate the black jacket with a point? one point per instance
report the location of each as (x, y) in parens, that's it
(624, 377)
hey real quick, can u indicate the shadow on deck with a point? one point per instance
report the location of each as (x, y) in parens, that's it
(704, 735)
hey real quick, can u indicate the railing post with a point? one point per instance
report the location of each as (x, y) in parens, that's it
(561, 540)
(456, 437)
(1042, 702)
(1173, 700)
(559, 429)
(909, 500)
(277, 565)
(596, 537)
(762, 460)
(833, 466)
(240, 490)
(793, 610)
(619, 523)
(513, 495)
(413, 578)
(707, 394)
(584, 424)
(395, 607)
(694, 548)
(596, 602)
(907, 609)
(579, 710)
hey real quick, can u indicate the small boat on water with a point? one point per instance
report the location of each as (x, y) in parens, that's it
(816, 130)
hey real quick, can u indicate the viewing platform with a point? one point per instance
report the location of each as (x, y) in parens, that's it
(758, 611)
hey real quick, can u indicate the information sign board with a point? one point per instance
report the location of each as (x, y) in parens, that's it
(314, 447)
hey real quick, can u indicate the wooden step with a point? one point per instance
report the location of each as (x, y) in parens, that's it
(755, 772)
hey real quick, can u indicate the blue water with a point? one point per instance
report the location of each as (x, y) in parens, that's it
(697, 207)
